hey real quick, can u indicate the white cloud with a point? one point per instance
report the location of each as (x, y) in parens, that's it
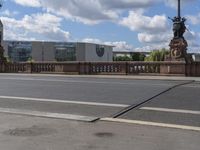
(154, 31)
(91, 40)
(195, 20)
(29, 3)
(127, 4)
(138, 22)
(9, 13)
(88, 11)
(146, 48)
(46, 26)
(149, 43)
(118, 45)
(154, 38)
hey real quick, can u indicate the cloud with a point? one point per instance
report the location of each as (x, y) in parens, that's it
(195, 20)
(193, 41)
(29, 3)
(138, 22)
(9, 13)
(118, 45)
(91, 40)
(154, 38)
(151, 44)
(88, 11)
(127, 4)
(45, 25)
(154, 31)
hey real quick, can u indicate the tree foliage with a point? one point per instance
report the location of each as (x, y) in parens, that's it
(122, 58)
(157, 55)
(133, 57)
(138, 57)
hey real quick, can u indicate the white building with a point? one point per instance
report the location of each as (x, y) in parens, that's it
(22, 51)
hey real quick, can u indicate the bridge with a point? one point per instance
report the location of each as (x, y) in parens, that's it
(51, 105)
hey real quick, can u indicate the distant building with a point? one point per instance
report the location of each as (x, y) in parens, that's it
(22, 51)
(1, 31)
(196, 57)
(128, 53)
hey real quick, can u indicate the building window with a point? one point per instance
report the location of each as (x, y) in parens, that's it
(65, 52)
(19, 51)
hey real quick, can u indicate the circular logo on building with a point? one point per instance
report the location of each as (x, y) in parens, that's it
(100, 50)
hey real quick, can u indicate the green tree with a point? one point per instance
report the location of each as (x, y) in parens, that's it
(122, 58)
(138, 57)
(157, 55)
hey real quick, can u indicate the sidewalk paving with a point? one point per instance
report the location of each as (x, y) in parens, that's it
(35, 133)
(134, 77)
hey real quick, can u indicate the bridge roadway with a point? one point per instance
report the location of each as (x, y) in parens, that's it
(145, 110)
(89, 99)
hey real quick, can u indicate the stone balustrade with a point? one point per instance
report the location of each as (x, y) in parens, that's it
(120, 68)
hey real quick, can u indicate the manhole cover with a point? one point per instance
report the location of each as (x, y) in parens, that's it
(104, 134)
(32, 131)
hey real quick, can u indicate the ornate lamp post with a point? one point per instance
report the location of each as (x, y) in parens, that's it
(178, 45)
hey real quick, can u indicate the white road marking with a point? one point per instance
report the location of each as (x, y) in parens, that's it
(48, 115)
(138, 122)
(65, 101)
(172, 110)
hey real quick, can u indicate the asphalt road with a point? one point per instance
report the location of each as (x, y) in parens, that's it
(169, 118)
(180, 105)
(23, 92)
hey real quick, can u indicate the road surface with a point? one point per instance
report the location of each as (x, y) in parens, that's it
(119, 113)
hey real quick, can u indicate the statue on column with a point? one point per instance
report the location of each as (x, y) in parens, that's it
(178, 45)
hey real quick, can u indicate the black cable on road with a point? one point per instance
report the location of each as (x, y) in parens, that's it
(131, 107)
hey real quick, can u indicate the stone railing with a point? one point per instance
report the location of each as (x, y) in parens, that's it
(193, 69)
(126, 68)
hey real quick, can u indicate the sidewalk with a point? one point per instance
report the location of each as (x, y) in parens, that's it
(35, 133)
(137, 77)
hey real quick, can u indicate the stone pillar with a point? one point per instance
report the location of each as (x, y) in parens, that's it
(178, 49)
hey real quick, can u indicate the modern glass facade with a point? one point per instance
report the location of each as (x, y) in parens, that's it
(65, 51)
(19, 51)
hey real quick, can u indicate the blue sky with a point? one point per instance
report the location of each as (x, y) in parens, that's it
(130, 25)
